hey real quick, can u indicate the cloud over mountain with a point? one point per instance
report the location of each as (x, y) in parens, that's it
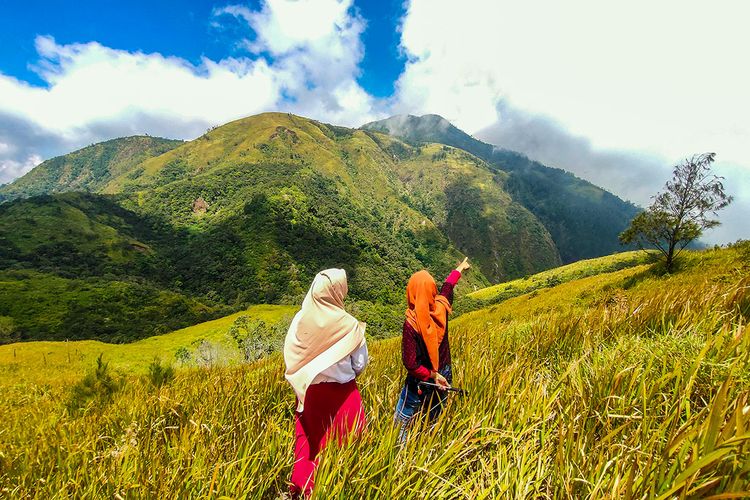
(614, 93)
(95, 92)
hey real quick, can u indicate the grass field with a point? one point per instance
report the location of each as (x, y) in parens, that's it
(57, 363)
(546, 279)
(628, 384)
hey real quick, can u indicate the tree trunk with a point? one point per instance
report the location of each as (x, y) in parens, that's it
(670, 256)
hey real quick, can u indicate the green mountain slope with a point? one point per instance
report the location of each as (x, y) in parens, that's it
(251, 211)
(300, 186)
(584, 220)
(77, 234)
(87, 169)
(47, 306)
(466, 200)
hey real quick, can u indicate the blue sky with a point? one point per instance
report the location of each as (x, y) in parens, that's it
(615, 92)
(180, 28)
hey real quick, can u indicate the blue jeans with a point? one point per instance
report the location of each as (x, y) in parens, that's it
(415, 399)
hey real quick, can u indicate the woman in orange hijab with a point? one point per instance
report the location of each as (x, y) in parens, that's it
(425, 349)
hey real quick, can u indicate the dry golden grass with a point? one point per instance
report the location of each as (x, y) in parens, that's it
(625, 385)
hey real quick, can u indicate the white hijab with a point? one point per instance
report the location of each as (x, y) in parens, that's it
(322, 333)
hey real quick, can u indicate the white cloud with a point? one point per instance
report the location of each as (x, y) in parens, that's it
(89, 82)
(612, 82)
(616, 93)
(317, 49)
(10, 169)
(95, 92)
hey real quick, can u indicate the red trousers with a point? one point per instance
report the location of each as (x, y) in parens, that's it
(331, 410)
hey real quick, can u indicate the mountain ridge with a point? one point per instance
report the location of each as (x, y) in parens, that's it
(88, 168)
(583, 219)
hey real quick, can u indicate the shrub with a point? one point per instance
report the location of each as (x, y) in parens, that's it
(257, 339)
(7, 327)
(183, 355)
(382, 320)
(206, 352)
(160, 374)
(97, 388)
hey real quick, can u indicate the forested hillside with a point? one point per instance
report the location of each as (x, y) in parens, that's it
(87, 169)
(584, 220)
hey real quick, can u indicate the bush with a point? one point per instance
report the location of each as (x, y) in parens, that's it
(257, 339)
(382, 320)
(160, 374)
(97, 388)
(183, 355)
(7, 327)
(206, 353)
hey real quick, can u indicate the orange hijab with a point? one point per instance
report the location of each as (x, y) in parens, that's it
(427, 313)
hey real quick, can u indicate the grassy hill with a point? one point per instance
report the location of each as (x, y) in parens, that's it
(45, 362)
(631, 383)
(583, 220)
(355, 178)
(78, 234)
(249, 212)
(590, 267)
(87, 169)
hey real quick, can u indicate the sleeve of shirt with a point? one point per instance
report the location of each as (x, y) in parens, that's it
(447, 289)
(409, 355)
(360, 358)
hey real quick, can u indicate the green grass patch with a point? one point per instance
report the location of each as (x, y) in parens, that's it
(553, 277)
(55, 362)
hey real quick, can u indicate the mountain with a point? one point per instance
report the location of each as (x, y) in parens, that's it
(583, 219)
(249, 212)
(300, 184)
(87, 169)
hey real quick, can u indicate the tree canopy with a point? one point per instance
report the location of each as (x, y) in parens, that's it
(680, 213)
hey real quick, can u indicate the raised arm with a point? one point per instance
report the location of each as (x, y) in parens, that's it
(447, 289)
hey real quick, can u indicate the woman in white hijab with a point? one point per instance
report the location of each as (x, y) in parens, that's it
(324, 351)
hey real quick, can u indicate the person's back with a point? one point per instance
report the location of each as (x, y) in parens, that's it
(425, 346)
(324, 351)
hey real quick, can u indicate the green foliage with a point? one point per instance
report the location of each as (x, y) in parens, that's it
(7, 328)
(682, 211)
(160, 374)
(183, 355)
(87, 169)
(45, 306)
(97, 388)
(583, 220)
(383, 320)
(256, 339)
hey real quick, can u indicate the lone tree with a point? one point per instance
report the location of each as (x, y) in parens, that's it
(682, 212)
